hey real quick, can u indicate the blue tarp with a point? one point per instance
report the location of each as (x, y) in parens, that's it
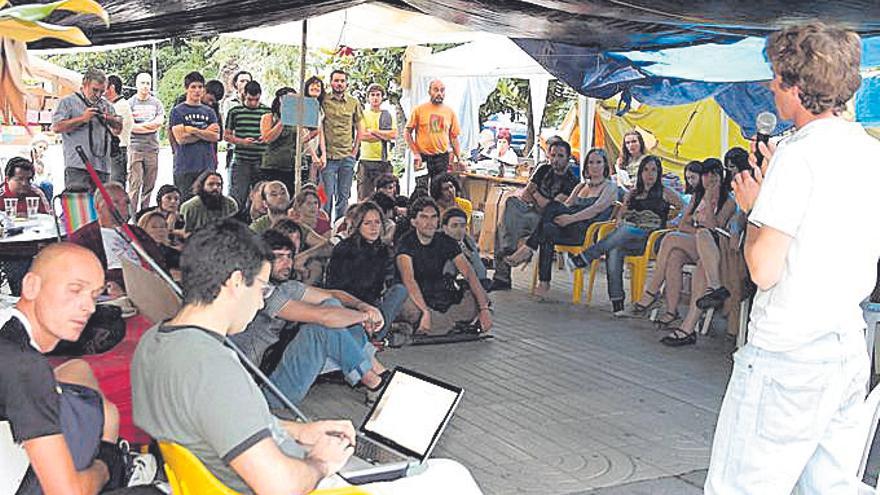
(735, 74)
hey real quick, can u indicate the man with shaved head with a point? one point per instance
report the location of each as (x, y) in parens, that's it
(432, 133)
(67, 428)
(101, 237)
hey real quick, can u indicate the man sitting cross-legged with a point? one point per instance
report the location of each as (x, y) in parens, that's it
(333, 335)
(188, 388)
(68, 429)
(436, 304)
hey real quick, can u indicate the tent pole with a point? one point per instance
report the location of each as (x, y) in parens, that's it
(155, 63)
(300, 109)
(725, 130)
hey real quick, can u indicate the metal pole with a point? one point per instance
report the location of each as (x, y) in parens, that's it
(155, 70)
(300, 111)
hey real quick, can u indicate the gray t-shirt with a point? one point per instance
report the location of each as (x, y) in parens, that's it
(265, 329)
(187, 387)
(97, 147)
(145, 111)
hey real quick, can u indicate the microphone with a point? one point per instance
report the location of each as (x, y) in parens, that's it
(765, 123)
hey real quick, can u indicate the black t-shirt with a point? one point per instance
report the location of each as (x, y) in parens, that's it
(359, 268)
(428, 262)
(550, 184)
(29, 395)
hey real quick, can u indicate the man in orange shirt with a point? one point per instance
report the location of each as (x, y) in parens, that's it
(431, 131)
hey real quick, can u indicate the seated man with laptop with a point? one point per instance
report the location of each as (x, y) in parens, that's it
(188, 388)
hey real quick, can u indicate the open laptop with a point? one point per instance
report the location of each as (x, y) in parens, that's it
(402, 429)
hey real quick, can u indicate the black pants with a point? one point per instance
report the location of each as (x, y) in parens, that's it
(436, 165)
(549, 234)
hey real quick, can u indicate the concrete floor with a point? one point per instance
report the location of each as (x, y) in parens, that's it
(569, 400)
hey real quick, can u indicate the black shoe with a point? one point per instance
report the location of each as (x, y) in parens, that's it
(373, 393)
(617, 307)
(679, 338)
(713, 299)
(499, 285)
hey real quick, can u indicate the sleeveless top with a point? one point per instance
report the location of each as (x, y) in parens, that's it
(280, 154)
(647, 213)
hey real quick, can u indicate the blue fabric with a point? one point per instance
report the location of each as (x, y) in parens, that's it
(669, 77)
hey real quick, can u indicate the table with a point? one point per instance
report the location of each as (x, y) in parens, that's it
(17, 251)
(488, 194)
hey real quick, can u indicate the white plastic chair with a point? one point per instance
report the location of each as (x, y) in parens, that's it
(13, 461)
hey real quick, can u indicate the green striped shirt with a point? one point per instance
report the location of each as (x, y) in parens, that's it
(244, 122)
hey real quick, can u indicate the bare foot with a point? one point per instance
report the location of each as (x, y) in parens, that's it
(542, 289)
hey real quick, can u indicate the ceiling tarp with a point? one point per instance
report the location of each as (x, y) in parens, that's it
(372, 25)
(608, 25)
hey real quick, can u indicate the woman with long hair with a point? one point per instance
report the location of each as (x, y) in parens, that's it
(361, 263)
(315, 142)
(645, 208)
(567, 223)
(632, 152)
(680, 248)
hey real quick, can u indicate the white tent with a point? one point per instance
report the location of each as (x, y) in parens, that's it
(470, 72)
(365, 26)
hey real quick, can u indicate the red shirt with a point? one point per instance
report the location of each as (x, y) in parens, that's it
(21, 208)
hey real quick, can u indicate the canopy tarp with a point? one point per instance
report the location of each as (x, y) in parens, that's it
(372, 25)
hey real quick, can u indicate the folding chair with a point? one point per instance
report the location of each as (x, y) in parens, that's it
(77, 209)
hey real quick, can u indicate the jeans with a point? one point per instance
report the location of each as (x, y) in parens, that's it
(392, 301)
(520, 219)
(792, 420)
(242, 174)
(317, 349)
(337, 176)
(625, 240)
(549, 234)
(184, 181)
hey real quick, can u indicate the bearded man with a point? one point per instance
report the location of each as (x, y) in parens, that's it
(208, 203)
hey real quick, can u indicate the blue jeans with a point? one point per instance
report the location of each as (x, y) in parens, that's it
(317, 349)
(625, 240)
(337, 176)
(392, 301)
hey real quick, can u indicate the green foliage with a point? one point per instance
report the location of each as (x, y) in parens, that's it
(511, 97)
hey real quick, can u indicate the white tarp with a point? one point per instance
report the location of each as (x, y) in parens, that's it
(470, 73)
(364, 26)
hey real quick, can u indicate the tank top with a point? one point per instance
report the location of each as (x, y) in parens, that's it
(647, 213)
(280, 154)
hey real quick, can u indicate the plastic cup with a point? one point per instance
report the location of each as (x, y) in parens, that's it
(11, 206)
(33, 206)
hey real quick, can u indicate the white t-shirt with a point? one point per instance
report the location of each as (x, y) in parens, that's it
(123, 109)
(831, 263)
(115, 248)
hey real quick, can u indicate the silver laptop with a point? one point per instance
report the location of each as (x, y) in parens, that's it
(402, 428)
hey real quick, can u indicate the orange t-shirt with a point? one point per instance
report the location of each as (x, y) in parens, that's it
(433, 124)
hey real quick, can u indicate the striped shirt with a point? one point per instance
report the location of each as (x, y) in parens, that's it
(244, 122)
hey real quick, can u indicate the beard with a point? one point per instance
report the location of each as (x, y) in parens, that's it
(212, 201)
(437, 100)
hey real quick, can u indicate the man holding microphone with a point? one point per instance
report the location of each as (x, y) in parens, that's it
(792, 416)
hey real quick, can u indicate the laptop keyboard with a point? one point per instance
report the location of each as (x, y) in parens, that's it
(375, 454)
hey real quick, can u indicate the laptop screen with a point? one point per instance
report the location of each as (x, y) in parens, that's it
(412, 411)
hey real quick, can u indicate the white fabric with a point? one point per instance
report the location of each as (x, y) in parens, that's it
(116, 247)
(831, 263)
(365, 26)
(14, 461)
(792, 419)
(442, 477)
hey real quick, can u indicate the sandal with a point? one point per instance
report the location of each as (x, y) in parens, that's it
(679, 338)
(713, 298)
(515, 261)
(667, 319)
(641, 310)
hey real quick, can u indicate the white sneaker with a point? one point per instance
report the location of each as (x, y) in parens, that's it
(143, 470)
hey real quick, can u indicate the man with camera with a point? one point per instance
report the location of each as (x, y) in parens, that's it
(87, 119)
(792, 416)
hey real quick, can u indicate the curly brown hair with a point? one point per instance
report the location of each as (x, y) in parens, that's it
(821, 60)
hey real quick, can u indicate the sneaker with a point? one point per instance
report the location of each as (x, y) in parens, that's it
(575, 262)
(143, 470)
(617, 309)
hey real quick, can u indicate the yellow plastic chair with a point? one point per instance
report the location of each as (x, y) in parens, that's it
(188, 476)
(577, 285)
(638, 264)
